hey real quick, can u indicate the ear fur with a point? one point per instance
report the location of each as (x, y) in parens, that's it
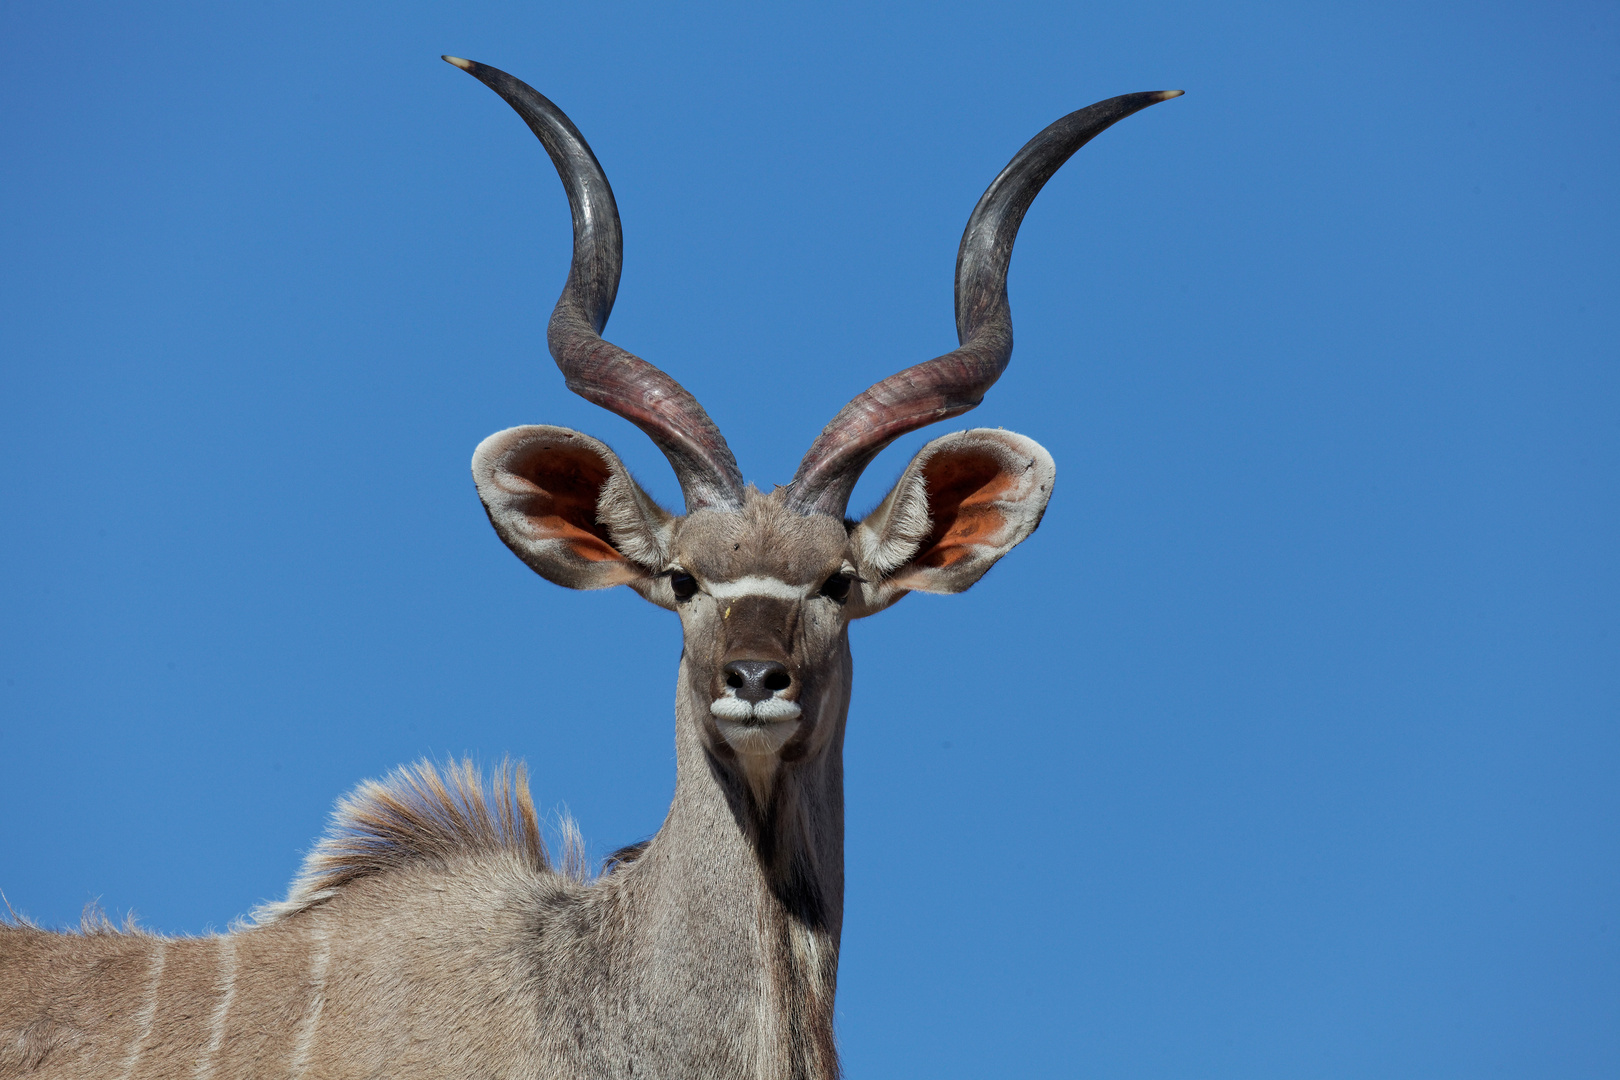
(964, 501)
(565, 504)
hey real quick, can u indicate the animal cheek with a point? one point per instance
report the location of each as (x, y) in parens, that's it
(821, 623)
(698, 617)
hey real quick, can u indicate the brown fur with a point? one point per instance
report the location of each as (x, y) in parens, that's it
(428, 935)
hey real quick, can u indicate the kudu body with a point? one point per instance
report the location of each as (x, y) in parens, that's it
(428, 935)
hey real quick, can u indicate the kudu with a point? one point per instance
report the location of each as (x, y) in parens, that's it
(428, 935)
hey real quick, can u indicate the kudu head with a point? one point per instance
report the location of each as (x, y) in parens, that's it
(766, 583)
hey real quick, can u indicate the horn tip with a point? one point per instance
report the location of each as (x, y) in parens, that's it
(1162, 95)
(466, 65)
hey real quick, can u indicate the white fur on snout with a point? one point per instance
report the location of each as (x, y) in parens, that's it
(774, 710)
(731, 708)
(771, 710)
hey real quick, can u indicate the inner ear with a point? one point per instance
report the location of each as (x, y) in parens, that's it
(565, 504)
(964, 501)
(558, 487)
(966, 497)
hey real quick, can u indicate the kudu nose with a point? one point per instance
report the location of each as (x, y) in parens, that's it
(756, 680)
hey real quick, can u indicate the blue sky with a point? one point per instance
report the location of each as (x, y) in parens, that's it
(1287, 747)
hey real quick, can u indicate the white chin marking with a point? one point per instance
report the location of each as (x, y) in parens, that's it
(760, 728)
(756, 739)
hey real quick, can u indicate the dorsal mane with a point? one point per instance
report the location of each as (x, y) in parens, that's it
(423, 814)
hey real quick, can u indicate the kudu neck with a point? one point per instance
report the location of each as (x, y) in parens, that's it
(744, 897)
(787, 839)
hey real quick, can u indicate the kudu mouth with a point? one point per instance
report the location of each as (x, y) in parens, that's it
(754, 713)
(756, 704)
(756, 727)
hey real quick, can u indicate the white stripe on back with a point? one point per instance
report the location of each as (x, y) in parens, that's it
(216, 1026)
(148, 1013)
(319, 937)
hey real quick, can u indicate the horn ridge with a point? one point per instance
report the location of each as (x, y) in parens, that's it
(592, 367)
(952, 384)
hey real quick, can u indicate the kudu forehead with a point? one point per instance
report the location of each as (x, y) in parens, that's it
(763, 539)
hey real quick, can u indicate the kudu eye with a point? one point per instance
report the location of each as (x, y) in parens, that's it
(684, 585)
(836, 588)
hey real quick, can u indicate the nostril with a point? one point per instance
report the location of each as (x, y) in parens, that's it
(756, 680)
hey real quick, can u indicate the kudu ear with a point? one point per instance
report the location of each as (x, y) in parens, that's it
(964, 501)
(565, 504)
